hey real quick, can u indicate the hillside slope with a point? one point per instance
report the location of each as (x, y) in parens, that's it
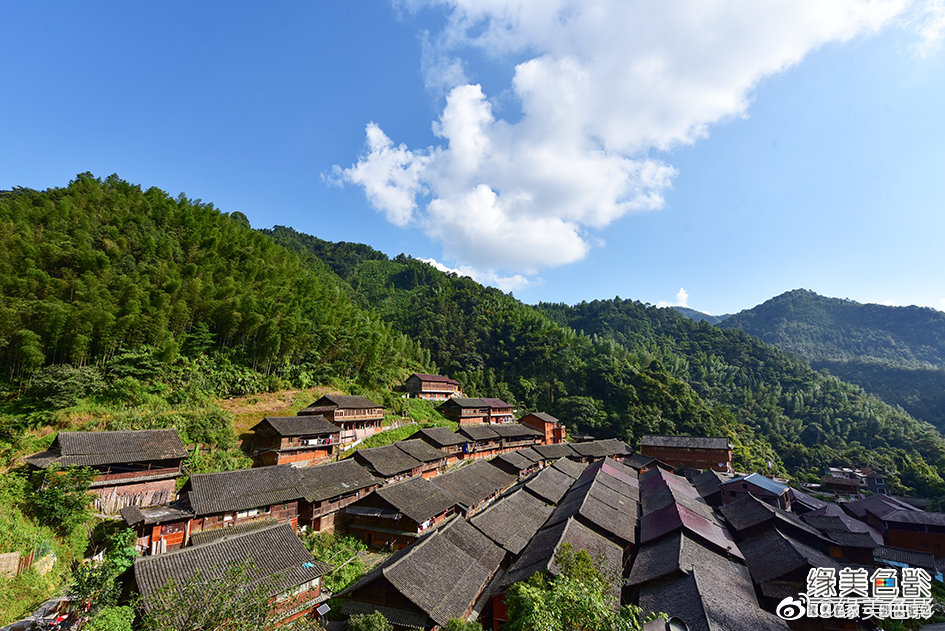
(898, 353)
(618, 368)
(811, 419)
(100, 268)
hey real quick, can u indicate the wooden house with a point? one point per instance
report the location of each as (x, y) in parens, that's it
(482, 441)
(757, 485)
(689, 452)
(513, 520)
(395, 515)
(433, 461)
(132, 467)
(277, 559)
(158, 528)
(521, 463)
(444, 439)
(499, 411)
(841, 485)
(551, 428)
(435, 387)
(474, 486)
(443, 576)
(680, 576)
(230, 498)
(357, 417)
(330, 488)
(465, 411)
(296, 440)
(597, 449)
(514, 436)
(389, 463)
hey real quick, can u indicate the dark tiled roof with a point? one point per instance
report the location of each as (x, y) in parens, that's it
(569, 467)
(496, 403)
(478, 432)
(605, 498)
(773, 555)
(677, 552)
(539, 554)
(513, 459)
(420, 450)
(513, 520)
(639, 461)
(215, 534)
(387, 461)
(852, 539)
(914, 517)
(227, 491)
(911, 558)
(417, 498)
(601, 448)
(276, 553)
(670, 503)
(443, 573)
(342, 402)
(334, 479)
(543, 416)
(472, 483)
(515, 430)
(464, 402)
(551, 483)
(313, 425)
(136, 515)
(879, 505)
(434, 378)
(708, 482)
(553, 452)
(398, 617)
(440, 436)
(716, 597)
(528, 453)
(90, 449)
(811, 502)
(748, 512)
(686, 442)
(760, 481)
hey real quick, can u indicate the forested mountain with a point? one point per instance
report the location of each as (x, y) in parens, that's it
(698, 316)
(634, 369)
(102, 281)
(897, 353)
(99, 270)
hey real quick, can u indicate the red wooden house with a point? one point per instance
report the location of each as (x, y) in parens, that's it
(357, 417)
(424, 386)
(551, 428)
(298, 440)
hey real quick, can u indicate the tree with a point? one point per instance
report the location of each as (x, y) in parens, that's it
(95, 585)
(62, 500)
(374, 621)
(582, 597)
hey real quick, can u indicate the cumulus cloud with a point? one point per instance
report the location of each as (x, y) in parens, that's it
(682, 300)
(487, 277)
(600, 89)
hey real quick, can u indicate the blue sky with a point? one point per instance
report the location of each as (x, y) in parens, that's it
(734, 153)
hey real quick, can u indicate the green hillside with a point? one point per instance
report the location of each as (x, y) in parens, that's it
(100, 269)
(898, 353)
(812, 420)
(618, 368)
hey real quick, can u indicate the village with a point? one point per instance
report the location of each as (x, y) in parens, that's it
(460, 516)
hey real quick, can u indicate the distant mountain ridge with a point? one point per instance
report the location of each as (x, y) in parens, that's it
(897, 353)
(699, 316)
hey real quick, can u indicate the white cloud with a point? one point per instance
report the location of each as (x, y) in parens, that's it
(486, 277)
(601, 86)
(682, 300)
